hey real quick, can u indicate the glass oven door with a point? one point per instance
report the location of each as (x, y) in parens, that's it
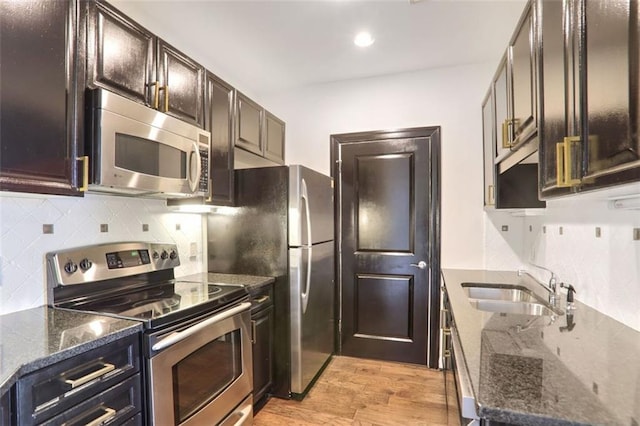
(202, 372)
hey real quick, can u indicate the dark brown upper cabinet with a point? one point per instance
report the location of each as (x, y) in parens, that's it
(522, 60)
(488, 143)
(259, 131)
(219, 121)
(500, 92)
(510, 114)
(274, 138)
(40, 151)
(180, 82)
(590, 74)
(120, 54)
(249, 122)
(125, 58)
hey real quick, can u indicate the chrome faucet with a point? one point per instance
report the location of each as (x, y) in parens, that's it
(551, 286)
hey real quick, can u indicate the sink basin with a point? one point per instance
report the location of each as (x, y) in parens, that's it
(507, 298)
(514, 293)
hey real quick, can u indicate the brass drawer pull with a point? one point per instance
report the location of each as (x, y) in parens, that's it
(93, 375)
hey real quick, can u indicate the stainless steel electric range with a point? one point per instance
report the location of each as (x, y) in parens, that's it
(197, 335)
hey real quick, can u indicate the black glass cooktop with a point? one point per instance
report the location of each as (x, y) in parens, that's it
(164, 303)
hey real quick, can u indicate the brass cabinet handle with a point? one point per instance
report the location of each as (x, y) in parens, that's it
(93, 375)
(560, 181)
(166, 98)
(505, 134)
(492, 195)
(564, 163)
(210, 191)
(156, 94)
(85, 173)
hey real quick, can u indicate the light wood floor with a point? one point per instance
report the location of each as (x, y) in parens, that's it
(353, 391)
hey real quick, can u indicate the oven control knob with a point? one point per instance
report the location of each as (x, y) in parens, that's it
(85, 264)
(70, 267)
(155, 255)
(173, 255)
(164, 255)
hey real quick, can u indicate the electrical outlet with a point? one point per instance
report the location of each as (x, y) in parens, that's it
(104, 227)
(560, 230)
(178, 226)
(47, 228)
(598, 232)
(636, 234)
(193, 249)
(505, 228)
(145, 227)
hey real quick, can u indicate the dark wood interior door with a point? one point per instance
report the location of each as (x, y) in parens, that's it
(389, 195)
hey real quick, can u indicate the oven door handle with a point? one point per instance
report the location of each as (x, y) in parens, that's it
(174, 338)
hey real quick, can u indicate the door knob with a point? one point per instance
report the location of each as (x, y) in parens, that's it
(421, 265)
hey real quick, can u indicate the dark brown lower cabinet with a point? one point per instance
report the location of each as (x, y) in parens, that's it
(262, 324)
(100, 385)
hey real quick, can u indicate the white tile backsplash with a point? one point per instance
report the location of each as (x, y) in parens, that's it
(605, 271)
(76, 222)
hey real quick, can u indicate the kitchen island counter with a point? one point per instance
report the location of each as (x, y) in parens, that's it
(36, 338)
(577, 368)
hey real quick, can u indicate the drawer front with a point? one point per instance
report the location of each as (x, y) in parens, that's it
(116, 406)
(59, 387)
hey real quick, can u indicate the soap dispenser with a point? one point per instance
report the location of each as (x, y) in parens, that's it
(570, 292)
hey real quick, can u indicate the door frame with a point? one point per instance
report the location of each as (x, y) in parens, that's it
(433, 135)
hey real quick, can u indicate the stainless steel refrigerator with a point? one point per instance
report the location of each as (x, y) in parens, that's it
(282, 226)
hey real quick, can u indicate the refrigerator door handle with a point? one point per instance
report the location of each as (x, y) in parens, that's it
(304, 195)
(304, 295)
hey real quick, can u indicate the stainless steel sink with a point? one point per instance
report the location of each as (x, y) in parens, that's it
(507, 298)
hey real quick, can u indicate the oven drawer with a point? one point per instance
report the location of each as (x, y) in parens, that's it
(62, 386)
(242, 415)
(115, 406)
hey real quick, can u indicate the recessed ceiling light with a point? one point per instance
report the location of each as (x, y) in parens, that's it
(363, 39)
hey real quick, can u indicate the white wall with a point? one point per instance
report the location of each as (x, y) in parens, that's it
(76, 222)
(447, 97)
(605, 270)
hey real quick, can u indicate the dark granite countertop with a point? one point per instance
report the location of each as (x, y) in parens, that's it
(578, 368)
(249, 281)
(38, 337)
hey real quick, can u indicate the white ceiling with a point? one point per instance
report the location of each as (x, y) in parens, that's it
(278, 45)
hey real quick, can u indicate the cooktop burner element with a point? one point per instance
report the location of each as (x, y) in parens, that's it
(128, 280)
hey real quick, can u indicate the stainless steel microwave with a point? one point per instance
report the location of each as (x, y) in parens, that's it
(136, 150)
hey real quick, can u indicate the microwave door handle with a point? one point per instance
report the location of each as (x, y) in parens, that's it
(194, 178)
(179, 336)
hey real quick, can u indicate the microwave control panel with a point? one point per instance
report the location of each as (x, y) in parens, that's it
(203, 185)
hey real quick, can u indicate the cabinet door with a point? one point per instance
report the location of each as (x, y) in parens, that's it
(249, 119)
(558, 119)
(263, 326)
(5, 409)
(181, 85)
(39, 150)
(120, 54)
(219, 121)
(523, 81)
(274, 138)
(501, 113)
(488, 139)
(612, 153)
